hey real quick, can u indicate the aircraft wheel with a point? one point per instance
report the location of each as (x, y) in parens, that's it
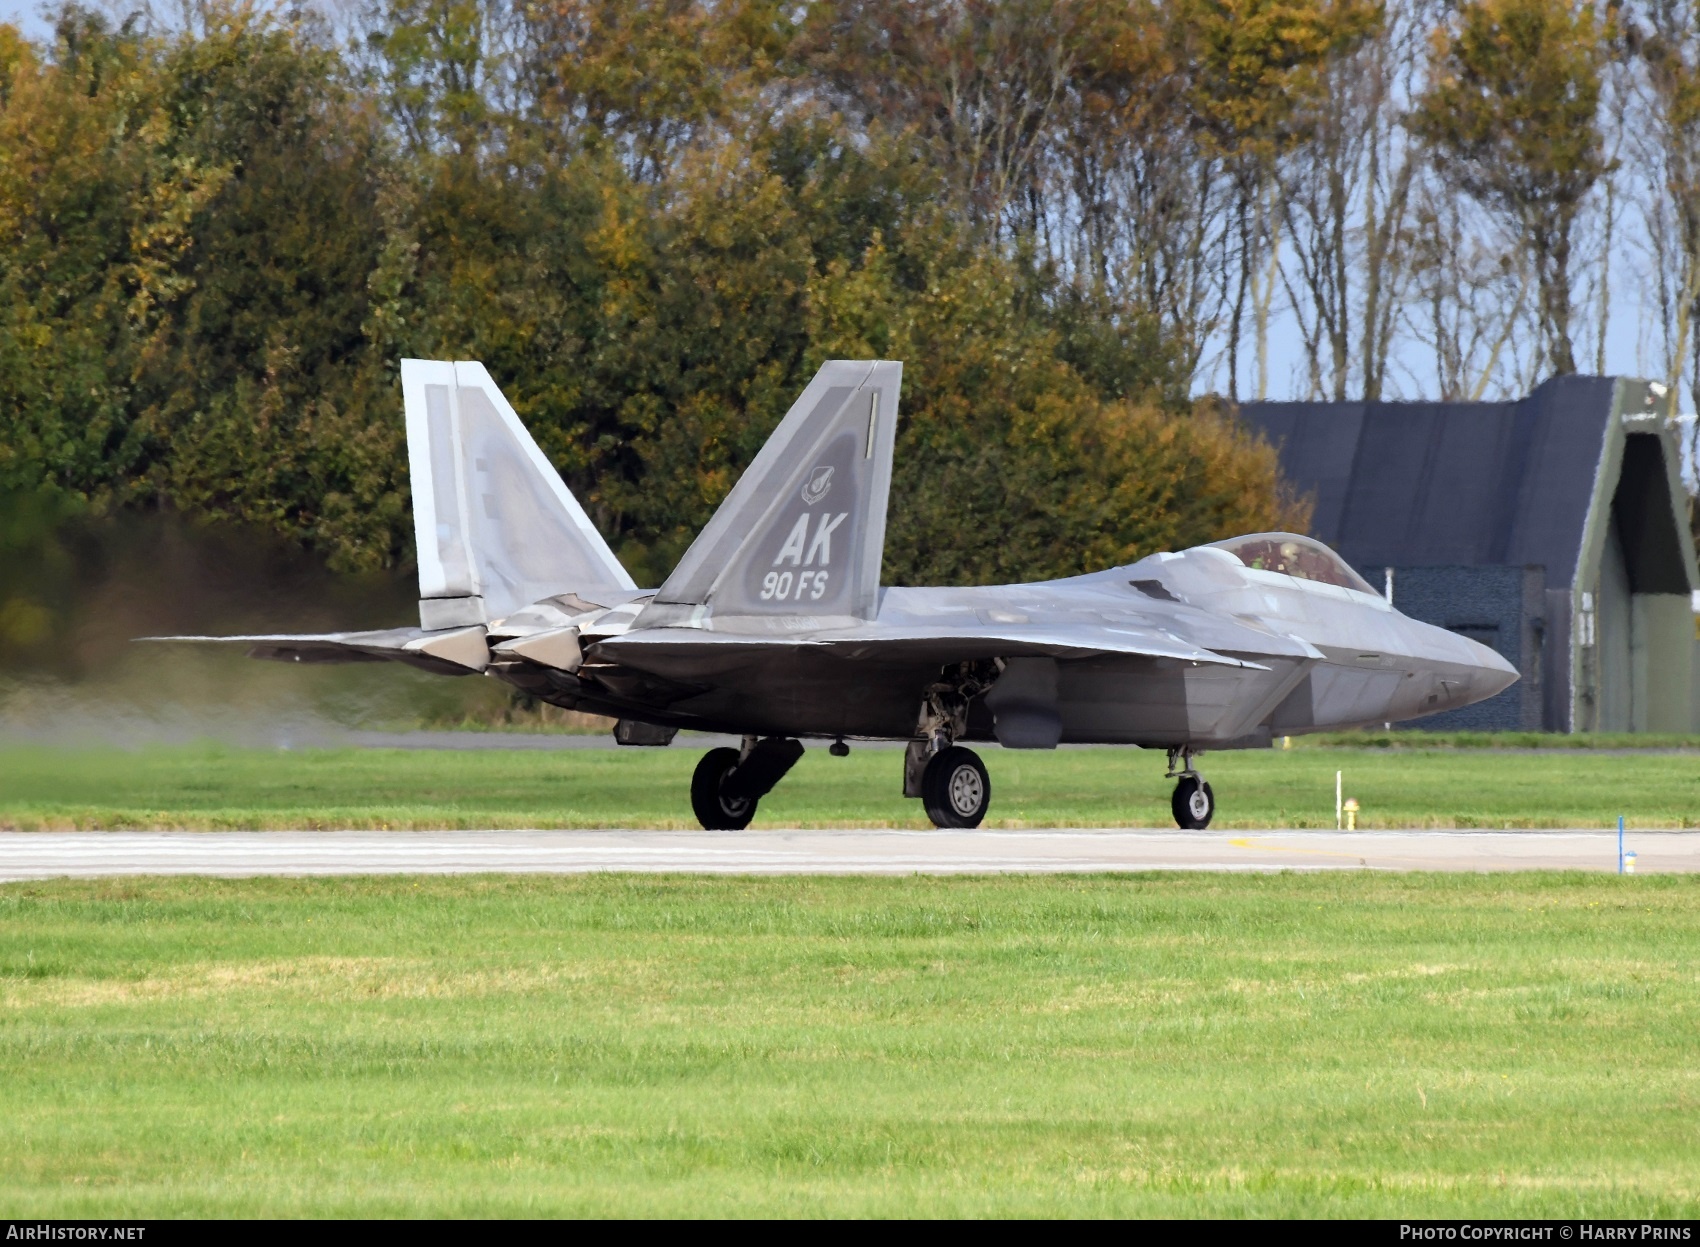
(1193, 803)
(714, 810)
(955, 788)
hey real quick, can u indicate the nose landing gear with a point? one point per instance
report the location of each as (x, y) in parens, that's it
(1193, 804)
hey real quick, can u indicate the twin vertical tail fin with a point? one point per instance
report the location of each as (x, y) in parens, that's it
(496, 527)
(798, 541)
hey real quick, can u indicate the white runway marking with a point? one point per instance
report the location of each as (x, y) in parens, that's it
(45, 855)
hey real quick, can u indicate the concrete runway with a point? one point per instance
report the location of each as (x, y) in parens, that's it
(45, 855)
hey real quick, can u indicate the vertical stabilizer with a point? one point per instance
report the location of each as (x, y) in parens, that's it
(496, 527)
(801, 535)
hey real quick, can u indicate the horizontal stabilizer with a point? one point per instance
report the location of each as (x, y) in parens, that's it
(457, 651)
(495, 526)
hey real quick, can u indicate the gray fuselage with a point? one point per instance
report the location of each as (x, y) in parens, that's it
(1310, 656)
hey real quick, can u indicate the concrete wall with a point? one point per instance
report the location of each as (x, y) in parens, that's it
(1694, 680)
(1504, 608)
(1556, 669)
(1635, 655)
(1664, 628)
(1608, 673)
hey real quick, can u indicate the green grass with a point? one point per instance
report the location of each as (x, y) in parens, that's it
(1363, 1045)
(210, 787)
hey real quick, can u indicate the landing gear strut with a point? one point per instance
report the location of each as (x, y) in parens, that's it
(1193, 804)
(728, 783)
(950, 780)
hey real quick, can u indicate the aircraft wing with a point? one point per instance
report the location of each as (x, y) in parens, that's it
(456, 651)
(667, 651)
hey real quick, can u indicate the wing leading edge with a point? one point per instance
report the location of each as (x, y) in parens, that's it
(661, 649)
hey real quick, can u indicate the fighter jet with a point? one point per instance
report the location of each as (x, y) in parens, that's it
(774, 627)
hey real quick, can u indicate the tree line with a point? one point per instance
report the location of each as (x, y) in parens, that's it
(652, 219)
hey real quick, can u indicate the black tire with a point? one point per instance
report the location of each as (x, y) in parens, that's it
(714, 811)
(955, 788)
(1193, 795)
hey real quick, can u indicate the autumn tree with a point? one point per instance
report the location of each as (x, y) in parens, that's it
(979, 81)
(649, 222)
(83, 182)
(1512, 115)
(1345, 195)
(1255, 67)
(182, 289)
(443, 64)
(1666, 34)
(1138, 197)
(259, 398)
(646, 81)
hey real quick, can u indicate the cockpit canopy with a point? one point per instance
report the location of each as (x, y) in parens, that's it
(1295, 556)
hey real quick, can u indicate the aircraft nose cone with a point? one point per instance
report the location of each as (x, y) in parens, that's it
(1492, 674)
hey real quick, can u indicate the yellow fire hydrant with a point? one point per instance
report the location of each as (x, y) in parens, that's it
(1351, 808)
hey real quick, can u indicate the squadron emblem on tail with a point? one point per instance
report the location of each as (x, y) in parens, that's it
(818, 485)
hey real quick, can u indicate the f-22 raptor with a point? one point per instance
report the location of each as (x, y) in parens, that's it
(774, 627)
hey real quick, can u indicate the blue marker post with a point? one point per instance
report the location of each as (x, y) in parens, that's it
(1620, 844)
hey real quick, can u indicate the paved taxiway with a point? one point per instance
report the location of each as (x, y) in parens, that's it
(44, 855)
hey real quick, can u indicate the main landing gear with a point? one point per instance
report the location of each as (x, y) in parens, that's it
(955, 788)
(1193, 804)
(950, 780)
(729, 783)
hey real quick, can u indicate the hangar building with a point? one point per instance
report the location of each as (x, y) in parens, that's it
(1553, 528)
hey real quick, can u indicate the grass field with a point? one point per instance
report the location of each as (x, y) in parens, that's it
(1175, 1045)
(209, 787)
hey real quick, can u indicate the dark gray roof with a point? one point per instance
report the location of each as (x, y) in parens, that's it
(1428, 484)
